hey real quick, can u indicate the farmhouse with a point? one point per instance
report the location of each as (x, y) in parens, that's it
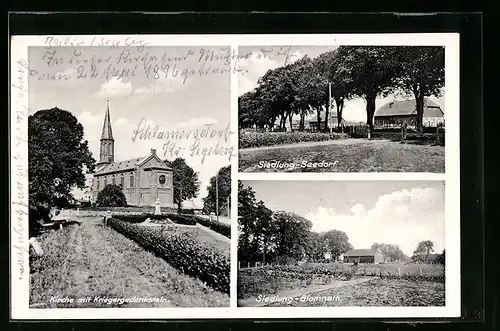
(363, 256)
(394, 113)
(143, 179)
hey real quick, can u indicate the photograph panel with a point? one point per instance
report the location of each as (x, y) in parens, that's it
(341, 243)
(341, 109)
(130, 176)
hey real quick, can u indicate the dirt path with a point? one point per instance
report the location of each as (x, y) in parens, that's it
(295, 294)
(349, 141)
(92, 260)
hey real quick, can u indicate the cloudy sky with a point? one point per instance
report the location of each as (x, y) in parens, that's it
(256, 61)
(178, 97)
(391, 212)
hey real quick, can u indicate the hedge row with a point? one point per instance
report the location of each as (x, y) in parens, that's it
(182, 252)
(181, 219)
(248, 139)
(141, 218)
(222, 228)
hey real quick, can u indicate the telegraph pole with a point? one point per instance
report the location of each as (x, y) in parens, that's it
(330, 105)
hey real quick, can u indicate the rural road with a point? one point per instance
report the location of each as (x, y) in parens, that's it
(350, 141)
(252, 302)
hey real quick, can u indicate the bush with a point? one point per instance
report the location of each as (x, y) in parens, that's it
(111, 196)
(223, 229)
(248, 139)
(181, 219)
(182, 252)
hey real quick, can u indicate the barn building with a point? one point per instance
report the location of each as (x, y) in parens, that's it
(363, 256)
(395, 113)
(143, 179)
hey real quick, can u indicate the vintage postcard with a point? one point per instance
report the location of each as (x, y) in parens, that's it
(234, 176)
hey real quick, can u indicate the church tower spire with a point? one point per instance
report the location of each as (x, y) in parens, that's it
(107, 151)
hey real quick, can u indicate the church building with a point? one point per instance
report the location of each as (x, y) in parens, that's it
(143, 179)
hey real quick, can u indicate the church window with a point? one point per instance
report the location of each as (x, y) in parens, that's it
(122, 181)
(162, 179)
(131, 180)
(113, 181)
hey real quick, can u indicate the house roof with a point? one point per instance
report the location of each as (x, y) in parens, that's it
(360, 252)
(408, 107)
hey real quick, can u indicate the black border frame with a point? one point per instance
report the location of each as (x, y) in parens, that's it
(469, 25)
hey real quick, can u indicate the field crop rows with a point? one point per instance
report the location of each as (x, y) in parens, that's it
(94, 260)
(182, 251)
(277, 279)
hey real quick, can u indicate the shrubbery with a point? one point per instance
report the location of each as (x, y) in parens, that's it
(111, 196)
(179, 219)
(222, 228)
(248, 139)
(182, 252)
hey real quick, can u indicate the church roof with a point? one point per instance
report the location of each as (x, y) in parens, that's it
(408, 107)
(107, 133)
(121, 166)
(128, 165)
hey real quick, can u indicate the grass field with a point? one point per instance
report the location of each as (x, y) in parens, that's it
(364, 156)
(92, 260)
(381, 285)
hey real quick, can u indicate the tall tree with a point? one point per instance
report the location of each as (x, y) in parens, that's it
(185, 181)
(222, 191)
(315, 246)
(389, 251)
(337, 243)
(59, 156)
(422, 74)
(373, 70)
(333, 68)
(247, 212)
(423, 250)
(265, 230)
(292, 231)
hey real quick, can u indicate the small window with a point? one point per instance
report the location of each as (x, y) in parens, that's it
(131, 180)
(105, 181)
(113, 181)
(122, 181)
(97, 180)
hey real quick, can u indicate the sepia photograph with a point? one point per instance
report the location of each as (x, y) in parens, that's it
(341, 109)
(129, 183)
(341, 243)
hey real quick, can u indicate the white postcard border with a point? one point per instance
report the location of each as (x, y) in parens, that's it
(19, 183)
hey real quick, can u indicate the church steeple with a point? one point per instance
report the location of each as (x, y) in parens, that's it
(107, 151)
